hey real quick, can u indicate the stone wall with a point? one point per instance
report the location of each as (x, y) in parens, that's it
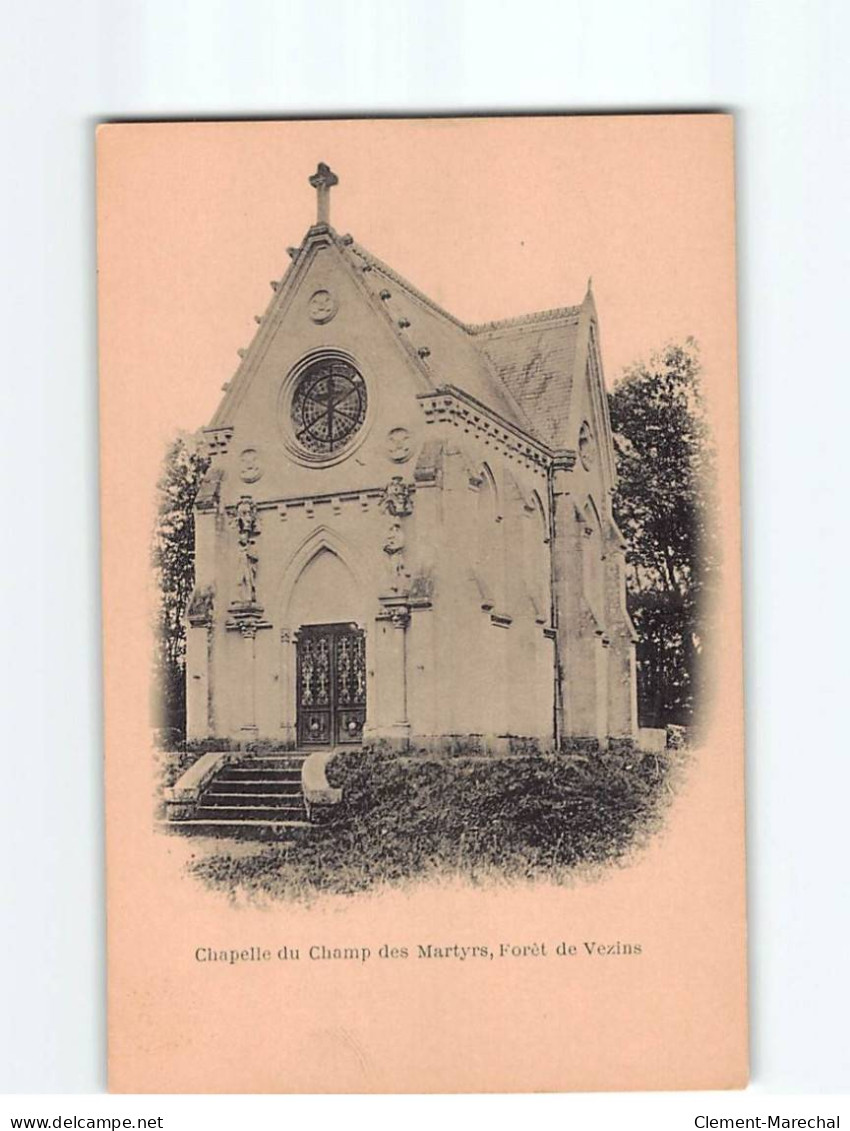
(484, 569)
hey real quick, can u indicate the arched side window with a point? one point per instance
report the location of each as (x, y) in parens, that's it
(489, 563)
(539, 566)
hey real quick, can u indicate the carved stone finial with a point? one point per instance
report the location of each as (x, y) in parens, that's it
(323, 180)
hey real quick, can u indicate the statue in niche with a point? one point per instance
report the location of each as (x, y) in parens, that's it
(397, 502)
(248, 575)
(247, 530)
(394, 549)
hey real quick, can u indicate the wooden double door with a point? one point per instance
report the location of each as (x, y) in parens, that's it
(331, 684)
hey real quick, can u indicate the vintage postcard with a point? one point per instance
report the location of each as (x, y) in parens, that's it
(421, 600)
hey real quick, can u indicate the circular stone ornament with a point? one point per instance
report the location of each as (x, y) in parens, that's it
(250, 468)
(322, 306)
(399, 445)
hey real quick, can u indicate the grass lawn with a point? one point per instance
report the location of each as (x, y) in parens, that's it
(479, 819)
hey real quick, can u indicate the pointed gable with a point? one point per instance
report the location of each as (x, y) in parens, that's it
(523, 370)
(321, 257)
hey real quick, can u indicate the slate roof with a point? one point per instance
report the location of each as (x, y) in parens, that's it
(521, 368)
(535, 358)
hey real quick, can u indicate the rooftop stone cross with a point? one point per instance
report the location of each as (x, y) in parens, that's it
(323, 181)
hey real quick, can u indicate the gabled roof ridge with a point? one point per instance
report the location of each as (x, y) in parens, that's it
(350, 243)
(471, 328)
(522, 418)
(520, 320)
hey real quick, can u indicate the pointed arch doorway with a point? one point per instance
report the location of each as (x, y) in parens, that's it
(325, 615)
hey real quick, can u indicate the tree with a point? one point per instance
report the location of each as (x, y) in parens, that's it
(174, 565)
(665, 507)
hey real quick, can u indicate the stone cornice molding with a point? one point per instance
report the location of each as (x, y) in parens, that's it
(246, 618)
(298, 501)
(395, 609)
(449, 403)
(218, 440)
(563, 460)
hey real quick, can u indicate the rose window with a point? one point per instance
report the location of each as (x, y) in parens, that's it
(328, 406)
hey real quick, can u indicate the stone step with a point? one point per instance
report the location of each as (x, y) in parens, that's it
(243, 771)
(277, 755)
(255, 785)
(214, 796)
(249, 812)
(225, 826)
(273, 761)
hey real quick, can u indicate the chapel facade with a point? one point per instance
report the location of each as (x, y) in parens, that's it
(405, 534)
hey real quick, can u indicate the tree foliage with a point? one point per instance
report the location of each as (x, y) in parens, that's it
(665, 507)
(173, 556)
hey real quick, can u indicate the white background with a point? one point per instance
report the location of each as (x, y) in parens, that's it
(782, 68)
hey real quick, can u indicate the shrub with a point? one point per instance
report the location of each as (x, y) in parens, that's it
(480, 819)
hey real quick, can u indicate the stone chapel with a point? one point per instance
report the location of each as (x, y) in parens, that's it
(405, 535)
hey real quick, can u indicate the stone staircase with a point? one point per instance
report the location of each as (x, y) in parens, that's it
(260, 791)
